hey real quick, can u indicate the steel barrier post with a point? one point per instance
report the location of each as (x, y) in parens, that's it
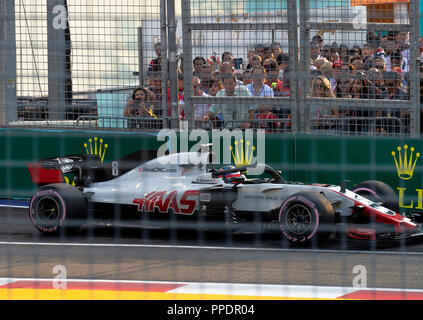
(8, 102)
(57, 61)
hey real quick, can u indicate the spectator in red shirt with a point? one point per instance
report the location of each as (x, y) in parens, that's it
(156, 64)
(272, 76)
(264, 113)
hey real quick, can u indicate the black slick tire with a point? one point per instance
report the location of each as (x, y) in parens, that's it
(57, 208)
(306, 216)
(379, 192)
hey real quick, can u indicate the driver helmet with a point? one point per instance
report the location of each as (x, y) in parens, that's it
(229, 176)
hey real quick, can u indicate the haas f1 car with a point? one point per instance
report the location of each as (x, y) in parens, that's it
(174, 188)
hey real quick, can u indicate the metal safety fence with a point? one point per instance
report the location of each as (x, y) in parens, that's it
(325, 64)
(68, 59)
(362, 62)
(166, 62)
(96, 213)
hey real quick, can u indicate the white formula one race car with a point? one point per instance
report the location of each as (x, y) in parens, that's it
(174, 188)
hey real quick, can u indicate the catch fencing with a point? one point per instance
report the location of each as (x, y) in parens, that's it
(343, 68)
(115, 73)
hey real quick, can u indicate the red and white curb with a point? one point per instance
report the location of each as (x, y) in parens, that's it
(230, 289)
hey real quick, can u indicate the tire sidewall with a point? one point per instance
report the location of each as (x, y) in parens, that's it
(34, 214)
(71, 205)
(313, 209)
(380, 191)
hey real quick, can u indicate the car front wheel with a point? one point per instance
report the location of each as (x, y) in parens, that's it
(306, 216)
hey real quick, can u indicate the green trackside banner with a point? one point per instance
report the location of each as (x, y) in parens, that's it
(303, 158)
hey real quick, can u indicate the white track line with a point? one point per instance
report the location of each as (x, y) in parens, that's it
(128, 245)
(14, 203)
(14, 207)
(201, 247)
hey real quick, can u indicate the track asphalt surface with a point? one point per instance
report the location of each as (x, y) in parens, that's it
(105, 262)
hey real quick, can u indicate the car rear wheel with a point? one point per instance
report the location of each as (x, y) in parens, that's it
(306, 216)
(56, 208)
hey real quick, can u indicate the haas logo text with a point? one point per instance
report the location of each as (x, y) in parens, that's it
(163, 202)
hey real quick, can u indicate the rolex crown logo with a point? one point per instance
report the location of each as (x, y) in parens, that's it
(242, 154)
(405, 163)
(96, 148)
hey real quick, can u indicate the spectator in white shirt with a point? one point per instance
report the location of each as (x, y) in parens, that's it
(233, 114)
(200, 110)
(258, 88)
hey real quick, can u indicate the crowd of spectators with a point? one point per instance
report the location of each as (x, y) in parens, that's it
(377, 69)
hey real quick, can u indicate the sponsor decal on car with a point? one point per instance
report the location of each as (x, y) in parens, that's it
(158, 170)
(164, 202)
